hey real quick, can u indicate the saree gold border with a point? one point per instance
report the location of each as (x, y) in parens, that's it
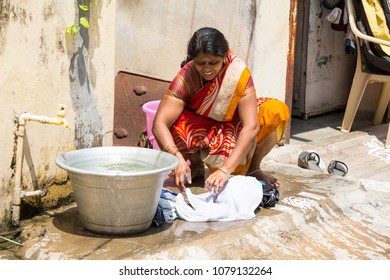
(215, 161)
(228, 90)
(241, 85)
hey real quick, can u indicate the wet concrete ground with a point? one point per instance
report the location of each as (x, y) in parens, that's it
(320, 216)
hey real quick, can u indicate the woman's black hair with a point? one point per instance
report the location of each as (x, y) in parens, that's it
(206, 40)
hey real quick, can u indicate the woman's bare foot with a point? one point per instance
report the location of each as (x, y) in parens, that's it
(260, 175)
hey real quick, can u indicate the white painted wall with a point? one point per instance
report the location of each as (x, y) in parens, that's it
(33, 79)
(257, 31)
(270, 48)
(36, 57)
(42, 65)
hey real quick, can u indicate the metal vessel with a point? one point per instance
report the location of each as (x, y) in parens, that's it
(117, 188)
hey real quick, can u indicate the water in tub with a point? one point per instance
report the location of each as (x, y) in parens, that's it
(133, 166)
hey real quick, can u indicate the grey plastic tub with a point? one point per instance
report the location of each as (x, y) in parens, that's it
(117, 188)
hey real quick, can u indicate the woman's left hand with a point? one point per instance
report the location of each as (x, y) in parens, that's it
(216, 181)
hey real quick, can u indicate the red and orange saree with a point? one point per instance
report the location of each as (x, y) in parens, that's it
(210, 121)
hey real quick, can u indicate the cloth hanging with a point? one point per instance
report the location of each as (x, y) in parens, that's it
(377, 21)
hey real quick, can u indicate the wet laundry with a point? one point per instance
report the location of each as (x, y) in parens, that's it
(238, 200)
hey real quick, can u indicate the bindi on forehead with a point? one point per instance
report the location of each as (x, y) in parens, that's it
(206, 60)
(205, 57)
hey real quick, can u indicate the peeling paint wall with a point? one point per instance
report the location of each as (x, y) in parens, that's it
(42, 67)
(32, 80)
(329, 69)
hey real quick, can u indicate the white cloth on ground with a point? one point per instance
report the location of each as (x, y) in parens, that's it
(238, 201)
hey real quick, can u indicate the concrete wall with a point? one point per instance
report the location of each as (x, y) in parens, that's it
(257, 31)
(158, 45)
(270, 48)
(42, 66)
(34, 78)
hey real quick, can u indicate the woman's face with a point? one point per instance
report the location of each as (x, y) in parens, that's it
(208, 65)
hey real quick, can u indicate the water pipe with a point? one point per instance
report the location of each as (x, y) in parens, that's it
(33, 193)
(18, 193)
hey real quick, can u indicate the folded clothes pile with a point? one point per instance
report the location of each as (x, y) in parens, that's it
(166, 209)
(239, 199)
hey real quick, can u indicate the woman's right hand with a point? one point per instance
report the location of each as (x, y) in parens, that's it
(182, 174)
(168, 112)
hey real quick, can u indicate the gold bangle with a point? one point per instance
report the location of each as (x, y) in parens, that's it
(168, 147)
(173, 148)
(224, 170)
(164, 149)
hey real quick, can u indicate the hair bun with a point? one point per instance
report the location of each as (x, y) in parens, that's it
(185, 61)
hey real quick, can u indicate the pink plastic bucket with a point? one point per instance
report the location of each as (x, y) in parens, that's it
(150, 109)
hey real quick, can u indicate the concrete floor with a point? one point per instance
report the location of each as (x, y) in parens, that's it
(362, 149)
(318, 128)
(319, 216)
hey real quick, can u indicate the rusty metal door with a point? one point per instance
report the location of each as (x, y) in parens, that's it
(131, 92)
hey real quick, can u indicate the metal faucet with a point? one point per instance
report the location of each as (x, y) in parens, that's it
(61, 116)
